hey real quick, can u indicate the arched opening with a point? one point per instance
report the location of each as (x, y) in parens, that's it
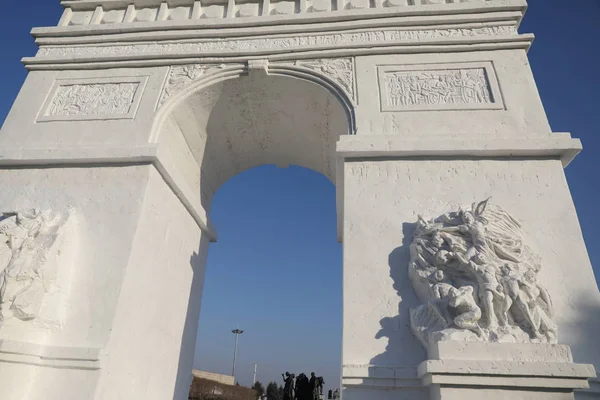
(257, 119)
(231, 126)
(276, 273)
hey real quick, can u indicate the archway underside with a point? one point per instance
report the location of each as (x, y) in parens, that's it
(237, 124)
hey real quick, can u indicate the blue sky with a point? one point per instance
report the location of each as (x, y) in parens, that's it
(277, 268)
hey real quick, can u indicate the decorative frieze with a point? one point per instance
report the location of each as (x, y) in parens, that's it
(459, 86)
(86, 99)
(95, 99)
(439, 87)
(278, 43)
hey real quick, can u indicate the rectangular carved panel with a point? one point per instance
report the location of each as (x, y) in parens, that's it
(93, 99)
(462, 86)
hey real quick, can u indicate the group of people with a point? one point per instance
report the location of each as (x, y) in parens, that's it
(301, 387)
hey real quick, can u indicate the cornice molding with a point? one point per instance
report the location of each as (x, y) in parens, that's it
(130, 13)
(281, 47)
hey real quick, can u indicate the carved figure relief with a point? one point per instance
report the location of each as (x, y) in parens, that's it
(458, 86)
(340, 70)
(93, 99)
(440, 86)
(477, 280)
(30, 243)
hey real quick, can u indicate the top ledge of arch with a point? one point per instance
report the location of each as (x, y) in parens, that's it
(83, 17)
(560, 145)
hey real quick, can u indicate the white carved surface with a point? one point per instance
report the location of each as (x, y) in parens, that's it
(182, 10)
(30, 255)
(179, 13)
(113, 17)
(276, 43)
(477, 280)
(458, 86)
(93, 99)
(241, 123)
(439, 86)
(145, 15)
(181, 75)
(81, 18)
(341, 70)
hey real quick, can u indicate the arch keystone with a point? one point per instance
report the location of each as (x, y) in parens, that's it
(258, 66)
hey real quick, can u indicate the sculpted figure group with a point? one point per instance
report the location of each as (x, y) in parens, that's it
(301, 387)
(431, 87)
(18, 232)
(477, 280)
(28, 238)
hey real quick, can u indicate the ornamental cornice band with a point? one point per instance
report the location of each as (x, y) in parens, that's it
(273, 44)
(107, 12)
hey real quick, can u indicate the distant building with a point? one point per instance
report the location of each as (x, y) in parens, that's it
(211, 376)
(214, 386)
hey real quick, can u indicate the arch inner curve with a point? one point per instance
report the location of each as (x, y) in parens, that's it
(252, 120)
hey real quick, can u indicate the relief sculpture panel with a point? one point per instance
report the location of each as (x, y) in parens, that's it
(88, 99)
(439, 87)
(100, 99)
(477, 280)
(33, 249)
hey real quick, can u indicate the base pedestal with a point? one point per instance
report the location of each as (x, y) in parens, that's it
(466, 370)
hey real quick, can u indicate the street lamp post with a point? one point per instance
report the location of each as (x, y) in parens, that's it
(254, 379)
(237, 333)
